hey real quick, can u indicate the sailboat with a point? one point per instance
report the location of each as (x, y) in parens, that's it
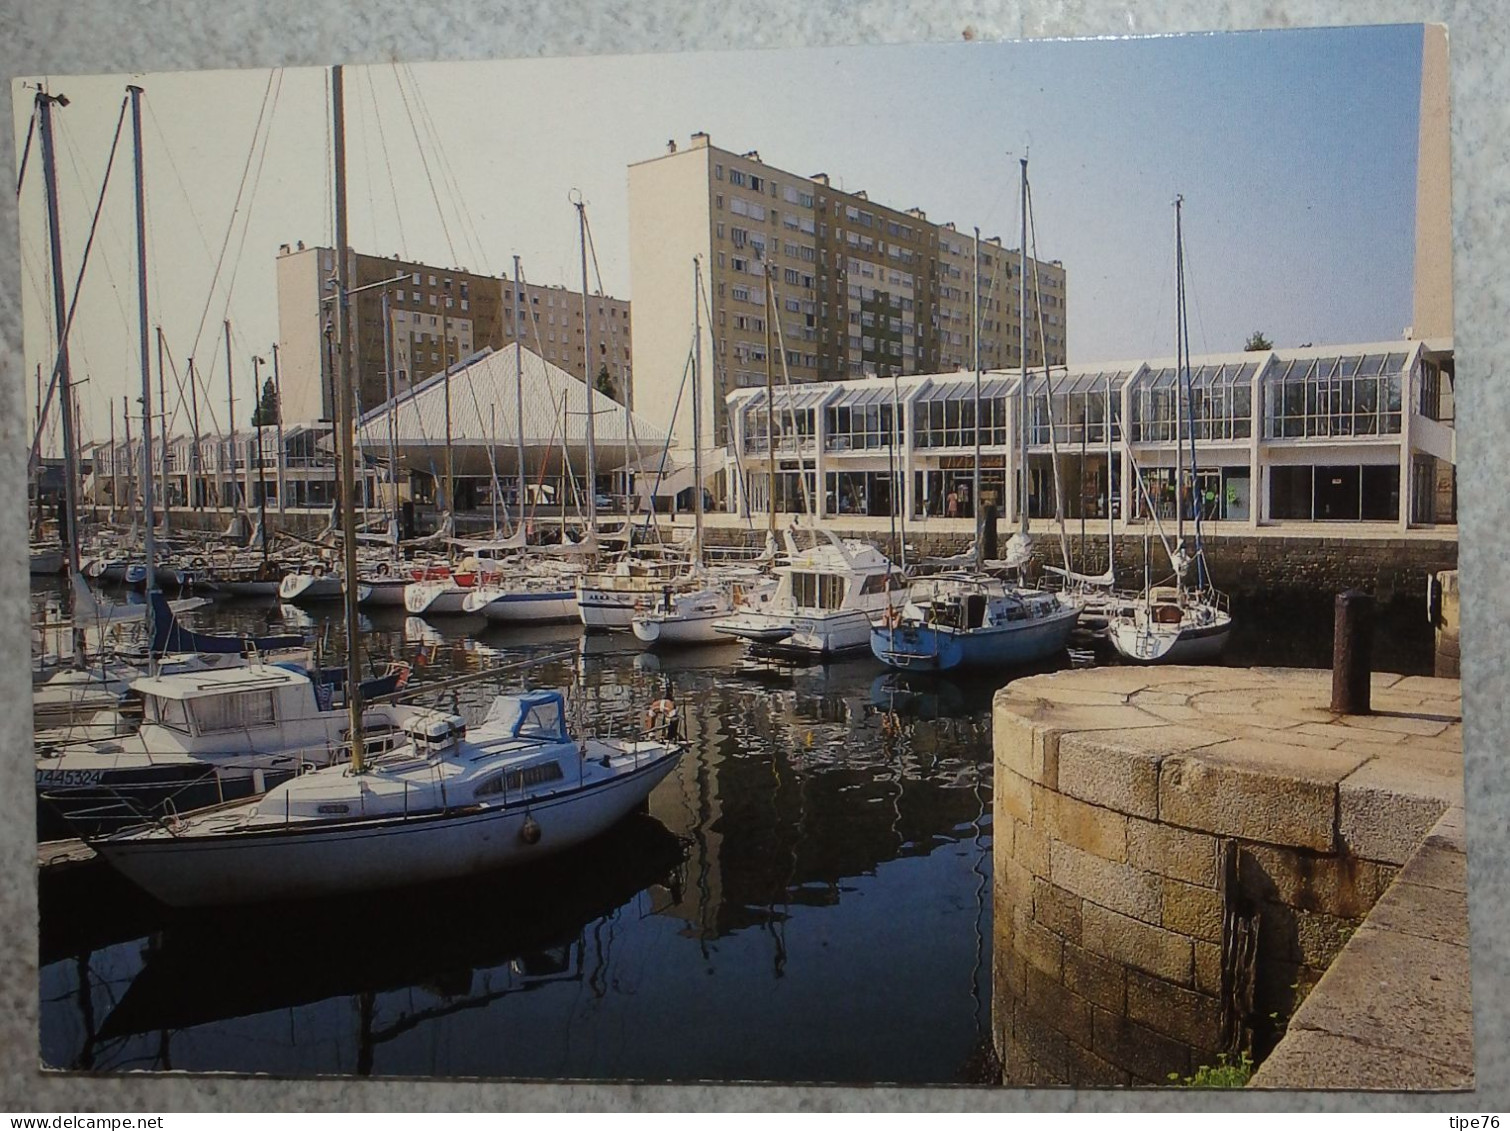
(680, 615)
(1177, 623)
(969, 618)
(442, 803)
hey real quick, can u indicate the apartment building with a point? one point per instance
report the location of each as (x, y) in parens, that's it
(830, 283)
(435, 317)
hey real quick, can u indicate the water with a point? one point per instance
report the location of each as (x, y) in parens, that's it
(806, 900)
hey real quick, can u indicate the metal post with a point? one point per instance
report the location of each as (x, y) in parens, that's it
(1352, 647)
(346, 441)
(45, 104)
(278, 396)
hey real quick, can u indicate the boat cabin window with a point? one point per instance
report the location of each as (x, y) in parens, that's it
(818, 590)
(543, 722)
(166, 712)
(877, 583)
(241, 710)
(513, 781)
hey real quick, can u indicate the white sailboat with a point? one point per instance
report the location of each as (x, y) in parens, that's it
(438, 805)
(1176, 623)
(445, 803)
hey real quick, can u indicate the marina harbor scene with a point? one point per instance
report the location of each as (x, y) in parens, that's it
(981, 614)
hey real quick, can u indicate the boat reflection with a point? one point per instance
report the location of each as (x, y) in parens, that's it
(463, 943)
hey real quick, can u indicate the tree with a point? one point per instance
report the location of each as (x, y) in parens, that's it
(605, 384)
(1257, 342)
(267, 412)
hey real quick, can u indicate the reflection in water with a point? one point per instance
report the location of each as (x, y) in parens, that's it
(807, 899)
(803, 899)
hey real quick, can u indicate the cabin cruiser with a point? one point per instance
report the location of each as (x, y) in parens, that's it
(825, 601)
(206, 737)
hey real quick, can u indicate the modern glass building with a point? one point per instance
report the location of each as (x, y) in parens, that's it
(1346, 433)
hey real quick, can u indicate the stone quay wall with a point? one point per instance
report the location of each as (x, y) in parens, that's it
(1181, 852)
(1389, 564)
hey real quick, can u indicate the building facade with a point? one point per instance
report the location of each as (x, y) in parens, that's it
(826, 284)
(435, 317)
(1350, 433)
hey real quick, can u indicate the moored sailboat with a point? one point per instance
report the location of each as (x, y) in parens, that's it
(1178, 623)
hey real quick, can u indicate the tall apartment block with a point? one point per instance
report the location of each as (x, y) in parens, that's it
(436, 317)
(860, 288)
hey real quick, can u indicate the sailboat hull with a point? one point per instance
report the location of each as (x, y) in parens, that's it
(435, 598)
(383, 592)
(302, 588)
(916, 647)
(547, 606)
(815, 636)
(291, 862)
(681, 629)
(1190, 644)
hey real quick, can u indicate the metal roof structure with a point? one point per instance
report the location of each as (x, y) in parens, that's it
(484, 425)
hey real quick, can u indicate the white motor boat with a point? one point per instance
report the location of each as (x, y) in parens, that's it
(441, 805)
(206, 736)
(826, 600)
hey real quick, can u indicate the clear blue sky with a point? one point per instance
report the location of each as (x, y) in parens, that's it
(1295, 152)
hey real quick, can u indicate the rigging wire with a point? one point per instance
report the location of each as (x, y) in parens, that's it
(235, 210)
(78, 284)
(31, 129)
(398, 213)
(425, 164)
(448, 175)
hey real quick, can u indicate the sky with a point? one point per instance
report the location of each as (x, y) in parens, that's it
(1294, 151)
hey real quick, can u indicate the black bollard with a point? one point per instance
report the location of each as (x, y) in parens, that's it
(990, 538)
(1352, 648)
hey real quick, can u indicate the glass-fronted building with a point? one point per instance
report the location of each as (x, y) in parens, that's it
(1346, 433)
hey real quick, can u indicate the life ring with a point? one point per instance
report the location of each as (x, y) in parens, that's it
(382, 569)
(662, 713)
(197, 563)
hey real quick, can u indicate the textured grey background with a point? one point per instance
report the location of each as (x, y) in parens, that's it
(97, 36)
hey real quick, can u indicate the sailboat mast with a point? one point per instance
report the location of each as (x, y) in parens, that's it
(697, 412)
(980, 549)
(130, 463)
(149, 546)
(1111, 543)
(1022, 349)
(770, 412)
(1179, 393)
(261, 478)
(588, 378)
(519, 313)
(392, 414)
(278, 426)
(194, 453)
(230, 388)
(45, 103)
(162, 403)
(345, 440)
(445, 368)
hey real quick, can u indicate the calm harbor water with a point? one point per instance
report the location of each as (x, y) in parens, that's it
(808, 898)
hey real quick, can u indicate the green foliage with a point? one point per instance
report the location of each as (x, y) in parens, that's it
(267, 411)
(1223, 1074)
(605, 384)
(1257, 342)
